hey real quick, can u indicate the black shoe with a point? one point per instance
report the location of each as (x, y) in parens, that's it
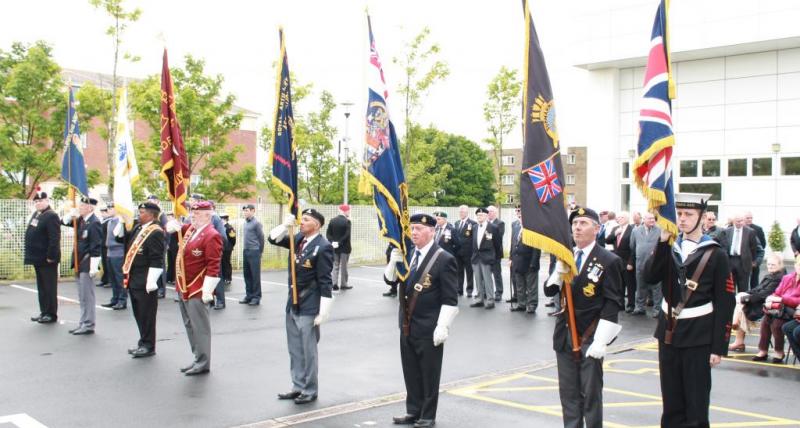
(550, 304)
(638, 312)
(424, 423)
(759, 358)
(628, 310)
(36, 318)
(530, 310)
(71, 331)
(305, 399)
(82, 331)
(162, 293)
(218, 306)
(196, 371)
(119, 307)
(187, 368)
(489, 305)
(476, 305)
(498, 298)
(346, 287)
(108, 305)
(132, 350)
(404, 420)
(512, 300)
(516, 308)
(47, 319)
(255, 302)
(390, 293)
(335, 288)
(143, 352)
(245, 301)
(289, 395)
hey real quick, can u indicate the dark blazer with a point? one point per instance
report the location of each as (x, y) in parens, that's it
(339, 231)
(601, 236)
(794, 240)
(751, 251)
(756, 297)
(486, 251)
(90, 241)
(448, 239)
(43, 238)
(524, 259)
(718, 234)
(464, 231)
(501, 231)
(440, 291)
(230, 233)
(313, 268)
(597, 297)
(711, 329)
(623, 250)
(150, 255)
(762, 239)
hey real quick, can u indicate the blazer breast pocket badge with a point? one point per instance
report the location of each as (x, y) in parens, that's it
(197, 252)
(589, 290)
(488, 236)
(307, 264)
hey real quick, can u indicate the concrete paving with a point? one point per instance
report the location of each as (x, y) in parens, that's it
(498, 368)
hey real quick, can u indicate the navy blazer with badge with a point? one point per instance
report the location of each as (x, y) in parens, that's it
(490, 249)
(440, 289)
(43, 238)
(90, 241)
(150, 254)
(464, 231)
(448, 240)
(313, 269)
(596, 294)
(501, 231)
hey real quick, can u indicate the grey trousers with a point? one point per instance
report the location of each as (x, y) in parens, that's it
(198, 329)
(340, 268)
(527, 288)
(302, 337)
(87, 301)
(580, 387)
(643, 289)
(484, 287)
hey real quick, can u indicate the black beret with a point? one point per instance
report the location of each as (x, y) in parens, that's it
(311, 212)
(225, 216)
(249, 207)
(90, 201)
(481, 210)
(440, 214)
(149, 206)
(584, 212)
(39, 195)
(423, 219)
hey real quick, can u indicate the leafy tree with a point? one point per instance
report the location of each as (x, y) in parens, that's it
(776, 238)
(32, 113)
(501, 112)
(314, 139)
(206, 121)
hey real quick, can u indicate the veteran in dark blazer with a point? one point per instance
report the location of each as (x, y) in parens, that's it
(465, 228)
(43, 251)
(744, 252)
(445, 234)
(486, 245)
(89, 234)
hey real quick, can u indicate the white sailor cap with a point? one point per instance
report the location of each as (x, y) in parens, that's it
(692, 200)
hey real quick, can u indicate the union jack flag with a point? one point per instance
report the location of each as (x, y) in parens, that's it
(653, 166)
(545, 180)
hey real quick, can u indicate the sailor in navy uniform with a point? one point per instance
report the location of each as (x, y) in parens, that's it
(695, 320)
(597, 300)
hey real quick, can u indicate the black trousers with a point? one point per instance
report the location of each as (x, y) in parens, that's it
(754, 276)
(580, 388)
(497, 273)
(47, 285)
(685, 385)
(227, 269)
(629, 282)
(741, 274)
(465, 267)
(172, 254)
(145, 307)
(104, 279)
(422, 370)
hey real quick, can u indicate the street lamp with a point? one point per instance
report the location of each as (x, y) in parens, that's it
(346, 145)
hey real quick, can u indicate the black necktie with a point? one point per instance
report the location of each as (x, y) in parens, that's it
(300, 247)
(414, 263)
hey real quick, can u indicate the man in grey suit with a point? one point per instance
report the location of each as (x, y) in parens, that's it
(744, 252)
(485, 247)
(643, 241)
(497, 272)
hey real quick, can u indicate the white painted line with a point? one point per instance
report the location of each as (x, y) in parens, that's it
(66, 299)
(263, 282)
(373, 267)
(365, 279)
(21, 420)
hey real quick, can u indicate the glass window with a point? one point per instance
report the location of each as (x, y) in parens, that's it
(737, 167)
(570, 179)
(711, 168)
(510, 198)
(625, 197)
(790, 166)
(572, 159)
(508, 180)
(508, 160)
(714, 188)
(570, 198)
(626, 170)
(688, 168)
(761, 167)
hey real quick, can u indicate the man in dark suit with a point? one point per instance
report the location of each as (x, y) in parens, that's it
(524, 270)
(227, 251)
(142, 267)
(595, 302)
(485, 247)
(794, 240)
(762, 240)
(445, 234)
(428, 306)
(620, 240)
(105, 280)
(89, 234)
(313, 261)
(43, 251)
(744, 252)
(601, 235)
(711, 229)
(338, 235)
(497, 272)
(465, 228)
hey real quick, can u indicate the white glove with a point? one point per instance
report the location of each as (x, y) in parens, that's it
(561, 267)
(390, 272)
(119, 230)
(288, 221)
(606, 332)
(325, 304)
(209, 284)
(278, 232)
(173, 226)
(70, 215)
(446, 316)
(152, 279)
(335, 244)
(94, 266)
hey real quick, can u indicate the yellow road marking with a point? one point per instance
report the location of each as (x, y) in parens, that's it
(609, 366)
(654, 348)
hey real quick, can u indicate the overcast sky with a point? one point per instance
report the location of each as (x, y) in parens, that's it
(327, 46)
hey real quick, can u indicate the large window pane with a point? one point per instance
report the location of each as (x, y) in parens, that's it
(626, 170)
(626, 197)
(688, 168)
(737, 167)
(711, 168)
(790, 166)
(714, 188)
(762, 167)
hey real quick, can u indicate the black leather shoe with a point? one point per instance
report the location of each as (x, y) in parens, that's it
(245, 301)
(550, 304)
(82, 331)
(628, 310)
(47, 319)
(404, 420)
(476, 305)
(498, 298)
(108, 305)
(36, 318)
(119, 307)
(289, 395)
(194, 371)
(335, 288)
(530, 310)
(489, 305)
(512, 300)
(759, 358)
(187, 368)
(424, 423)
(71, 331)
(515, 308)
(390, 293)
(346, 287)
(142, 353)
(637, 312)
(255, 302)
(305, 399)
(132, 350)
(162, 293)
(218, 306)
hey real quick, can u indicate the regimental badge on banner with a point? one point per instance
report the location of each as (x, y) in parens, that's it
(544, 112)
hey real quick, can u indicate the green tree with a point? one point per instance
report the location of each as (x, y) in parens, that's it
(776, 238)
(314, 138)
(32, 113)
(468, 171)
(121, 18)
(501, 112)
(206, 120)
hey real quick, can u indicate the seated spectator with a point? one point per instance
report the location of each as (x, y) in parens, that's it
(792, 331)
(779, 308)
(750, 304)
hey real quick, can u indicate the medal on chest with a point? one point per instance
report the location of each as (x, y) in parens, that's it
(594, 270)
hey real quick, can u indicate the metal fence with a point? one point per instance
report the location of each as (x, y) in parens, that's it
(368, 246)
